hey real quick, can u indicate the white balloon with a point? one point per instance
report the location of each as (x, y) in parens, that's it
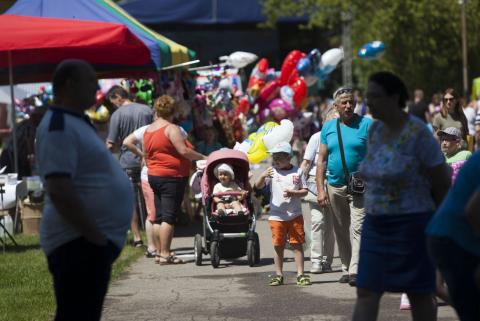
(330, 59)
(243, 147)
(278, 134)
(240, 59)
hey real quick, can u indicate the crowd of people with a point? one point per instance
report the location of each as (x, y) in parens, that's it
(380, 189)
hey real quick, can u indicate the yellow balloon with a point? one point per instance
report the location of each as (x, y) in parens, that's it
(258, 151)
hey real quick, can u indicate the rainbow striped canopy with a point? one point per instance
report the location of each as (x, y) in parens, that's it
(163, 51)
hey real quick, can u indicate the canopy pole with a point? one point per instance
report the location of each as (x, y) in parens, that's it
(183, 64)
(13, 114)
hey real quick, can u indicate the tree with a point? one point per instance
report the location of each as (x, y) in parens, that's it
(422, 37)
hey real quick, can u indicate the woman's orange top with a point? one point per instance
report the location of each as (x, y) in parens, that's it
(162, 157)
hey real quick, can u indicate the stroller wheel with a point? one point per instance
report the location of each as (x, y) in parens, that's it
(197, 248)
(215, 254)
(257, 249)
(251, 252)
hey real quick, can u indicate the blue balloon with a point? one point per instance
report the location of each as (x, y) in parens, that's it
(304, 66)
(371, 50)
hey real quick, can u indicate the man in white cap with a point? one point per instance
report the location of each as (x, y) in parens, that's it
(452, 145)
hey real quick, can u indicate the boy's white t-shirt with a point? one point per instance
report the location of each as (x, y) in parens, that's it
(281, 208)
(232, 186)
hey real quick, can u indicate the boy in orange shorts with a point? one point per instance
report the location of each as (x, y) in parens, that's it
(285, 216)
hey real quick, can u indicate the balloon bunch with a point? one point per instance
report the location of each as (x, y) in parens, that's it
(280, 95)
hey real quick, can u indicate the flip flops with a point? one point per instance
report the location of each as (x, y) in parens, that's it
(167, 260)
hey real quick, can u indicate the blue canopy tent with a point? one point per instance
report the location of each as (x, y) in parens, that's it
(201, 12)
(163, 51)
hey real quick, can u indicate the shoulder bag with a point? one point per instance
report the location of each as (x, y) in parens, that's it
(355, 185)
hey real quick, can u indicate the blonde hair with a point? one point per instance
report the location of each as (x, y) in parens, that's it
(165, 106)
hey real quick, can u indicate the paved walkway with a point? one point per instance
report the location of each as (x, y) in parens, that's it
(235, 291)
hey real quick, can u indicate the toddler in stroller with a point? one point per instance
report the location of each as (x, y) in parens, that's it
(228, 214)
(227, 203)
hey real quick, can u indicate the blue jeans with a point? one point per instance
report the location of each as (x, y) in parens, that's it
(457, 267)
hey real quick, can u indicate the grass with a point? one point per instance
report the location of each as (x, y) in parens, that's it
(26, 292)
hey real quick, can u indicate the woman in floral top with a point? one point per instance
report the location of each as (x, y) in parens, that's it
(406, 178)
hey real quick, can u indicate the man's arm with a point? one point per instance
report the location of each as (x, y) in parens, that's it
(112, 137)
(320, 175)
(65, 199)
(305, 166)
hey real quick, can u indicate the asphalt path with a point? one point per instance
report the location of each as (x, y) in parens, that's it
(235, 291)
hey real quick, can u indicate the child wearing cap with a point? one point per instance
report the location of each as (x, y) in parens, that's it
(285, 216)
(226, 176)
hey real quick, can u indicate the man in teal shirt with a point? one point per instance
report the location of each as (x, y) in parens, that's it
(346, 208)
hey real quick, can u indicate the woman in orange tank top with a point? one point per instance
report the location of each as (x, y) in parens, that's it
(168, 156)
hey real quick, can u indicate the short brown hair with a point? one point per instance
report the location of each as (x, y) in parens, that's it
(165, 106)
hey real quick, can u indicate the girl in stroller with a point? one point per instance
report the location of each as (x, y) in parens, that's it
(226, 176)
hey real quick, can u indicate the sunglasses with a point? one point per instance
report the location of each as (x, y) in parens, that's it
(342, 91)
(448, 99)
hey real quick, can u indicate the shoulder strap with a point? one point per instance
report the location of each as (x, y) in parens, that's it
(342, 153)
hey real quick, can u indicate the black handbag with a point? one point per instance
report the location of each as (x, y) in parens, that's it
(355, 184)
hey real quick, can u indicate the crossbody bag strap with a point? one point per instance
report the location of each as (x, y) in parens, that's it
(342, 154)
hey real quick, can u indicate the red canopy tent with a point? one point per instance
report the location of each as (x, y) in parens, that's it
(37, 45)
(31, 47)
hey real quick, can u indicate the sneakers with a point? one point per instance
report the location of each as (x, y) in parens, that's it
(326, 267)
(352, 280)
(303, 280)
(316, 268)
(276, 280)
(344, 279)
(404, 302)
(320, 267)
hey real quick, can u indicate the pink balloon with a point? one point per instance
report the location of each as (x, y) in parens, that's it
(280, 103)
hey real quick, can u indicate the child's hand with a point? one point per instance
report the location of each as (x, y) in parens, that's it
(243, 195)
(268, 172)
(288, 193)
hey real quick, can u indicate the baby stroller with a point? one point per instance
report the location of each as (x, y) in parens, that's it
(233, 235)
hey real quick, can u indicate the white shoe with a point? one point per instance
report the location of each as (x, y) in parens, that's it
(316, 268)
(404, 302)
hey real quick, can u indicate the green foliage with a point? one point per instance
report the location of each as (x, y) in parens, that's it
(26, 292)
(422, 37)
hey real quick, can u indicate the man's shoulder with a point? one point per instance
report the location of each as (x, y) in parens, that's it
(56, 120)
(138, 106)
